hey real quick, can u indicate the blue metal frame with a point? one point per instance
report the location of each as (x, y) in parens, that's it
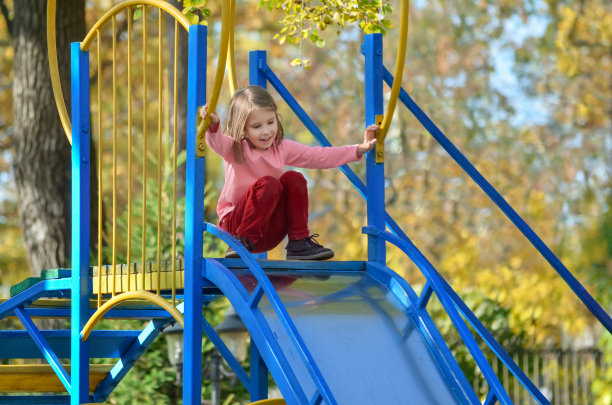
(440, 288)
(263, 69)
(379, 216)
(194, 219)
(297, 109)
(128, 358)
(503, 205)
(33, 293)
(265, 349)
(45, 348)
(103, 343)
(375, 174)
(270, 350)
(264, 286)
(80, 224)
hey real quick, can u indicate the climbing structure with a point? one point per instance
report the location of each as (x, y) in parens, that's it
(330, 332)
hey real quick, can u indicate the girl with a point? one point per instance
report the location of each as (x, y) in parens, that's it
(260, 204)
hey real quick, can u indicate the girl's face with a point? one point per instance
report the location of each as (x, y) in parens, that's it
(261, 127)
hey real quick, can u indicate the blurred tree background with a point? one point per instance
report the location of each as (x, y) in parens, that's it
(523, 88)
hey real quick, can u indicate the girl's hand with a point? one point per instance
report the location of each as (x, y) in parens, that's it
(214, 118)
(369, 140)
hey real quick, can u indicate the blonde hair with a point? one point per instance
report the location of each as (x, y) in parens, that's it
(244, 101)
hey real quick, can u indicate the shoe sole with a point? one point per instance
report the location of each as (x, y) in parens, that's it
(318, 256)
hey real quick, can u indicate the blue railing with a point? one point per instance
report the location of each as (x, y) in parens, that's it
(516, 219)
(264, 286)
(451, 301)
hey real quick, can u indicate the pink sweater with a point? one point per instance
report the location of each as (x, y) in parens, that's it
(259, 163)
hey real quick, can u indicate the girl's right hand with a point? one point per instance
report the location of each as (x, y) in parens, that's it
(214, 118)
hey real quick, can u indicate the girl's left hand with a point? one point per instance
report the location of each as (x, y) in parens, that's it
(369, 140)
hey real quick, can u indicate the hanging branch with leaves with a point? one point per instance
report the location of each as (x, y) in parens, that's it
(306, 19)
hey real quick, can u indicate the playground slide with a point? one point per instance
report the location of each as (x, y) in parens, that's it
(366, 345)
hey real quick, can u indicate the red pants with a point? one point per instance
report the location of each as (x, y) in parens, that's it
(271, 209)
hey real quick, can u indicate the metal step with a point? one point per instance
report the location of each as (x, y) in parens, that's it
(42, 378)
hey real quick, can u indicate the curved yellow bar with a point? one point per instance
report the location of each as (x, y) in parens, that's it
(231, 69)
(399, 69)
(173, 11)
(54, 71)
(52, 48)
(131, 295)
(223, 51)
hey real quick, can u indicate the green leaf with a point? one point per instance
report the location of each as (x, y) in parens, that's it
(137, 13)
(192, 17)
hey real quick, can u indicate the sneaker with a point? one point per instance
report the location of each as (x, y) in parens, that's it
(232, 254)
(307, 249)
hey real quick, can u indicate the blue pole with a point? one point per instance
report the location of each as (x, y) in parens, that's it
(257, 77)
(259, 375)
(257, 61)
(194, 222)
(375, 175)
(79, 354)
(259, 370)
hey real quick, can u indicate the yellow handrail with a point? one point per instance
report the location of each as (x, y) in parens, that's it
(130, 295)
(202, 125)
(54, 71)
(231, 69)
(397, 77)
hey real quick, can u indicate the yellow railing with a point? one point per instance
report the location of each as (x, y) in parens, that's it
(397, 81)
(121, 279)
(111, 277)
(115, 279)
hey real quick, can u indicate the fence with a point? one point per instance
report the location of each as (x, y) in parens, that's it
(565, 377)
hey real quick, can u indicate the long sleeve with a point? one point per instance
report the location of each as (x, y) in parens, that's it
(317, 157)
(221, 144)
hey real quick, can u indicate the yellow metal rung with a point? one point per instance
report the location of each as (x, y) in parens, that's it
(42, 378)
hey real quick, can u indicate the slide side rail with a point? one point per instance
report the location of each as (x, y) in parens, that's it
(496, 197)
(264, 286)
(450, 301)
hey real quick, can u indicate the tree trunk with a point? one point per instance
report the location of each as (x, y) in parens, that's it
(41, 158)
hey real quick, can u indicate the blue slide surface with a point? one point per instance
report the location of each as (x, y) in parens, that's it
(367, 346)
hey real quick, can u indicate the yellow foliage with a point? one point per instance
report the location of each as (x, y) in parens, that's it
(13, 261)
